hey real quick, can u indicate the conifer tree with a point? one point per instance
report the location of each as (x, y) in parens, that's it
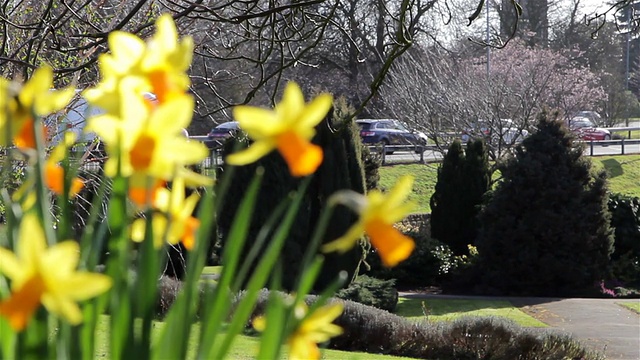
(545, 231)
(462, 181)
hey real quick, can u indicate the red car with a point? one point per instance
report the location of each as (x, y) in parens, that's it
(586, 130)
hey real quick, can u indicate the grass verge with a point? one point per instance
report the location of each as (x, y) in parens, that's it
(633, 305)
(450, 309)
(244, 347)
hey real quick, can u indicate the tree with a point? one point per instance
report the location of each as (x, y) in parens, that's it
(341, 169)
(440, 92)
(546, 230)
(462, 181)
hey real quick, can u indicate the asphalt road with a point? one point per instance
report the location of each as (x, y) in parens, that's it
(433, 155)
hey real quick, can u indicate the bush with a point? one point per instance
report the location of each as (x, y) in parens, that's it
(625, 219)
(368, 329)
(545, 230)
(422, 267)
(366, 290)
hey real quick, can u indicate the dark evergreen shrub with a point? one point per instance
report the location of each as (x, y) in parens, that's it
(462, 181)
(366, 290)
(545, 231)
(625, 219)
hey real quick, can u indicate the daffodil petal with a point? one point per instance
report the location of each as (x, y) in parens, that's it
(345, 242)
(63, 307)
(254, 152)
(400, 190)
(257, 122)
(292, 103)
(31, 242)
(9, 264)
(62, 257)
(84, 285)
(316, 110)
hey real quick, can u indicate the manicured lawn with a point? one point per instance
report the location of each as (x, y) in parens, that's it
(449, 309)
(623, 171)
(633, 305)
(244, 347)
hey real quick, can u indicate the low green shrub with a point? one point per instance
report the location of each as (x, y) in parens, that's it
(367, 290)
(368, 329)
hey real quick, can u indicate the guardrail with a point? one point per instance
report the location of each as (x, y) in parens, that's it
(621, 142)
(385, 150)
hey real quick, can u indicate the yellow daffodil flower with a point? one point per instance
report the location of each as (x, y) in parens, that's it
(288, 128)
(149, 142)
(174, 219)
(34, 98)
(47, 276)
(378, 214)
(54, 173)
(314, 328)
(158, 66)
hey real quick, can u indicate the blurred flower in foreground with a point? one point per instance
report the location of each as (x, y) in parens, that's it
(378, 213)
(34, 98)
(158, 66)
(45, 275)
(54, 173)
(315, 328)
(174, 219)
(289, 128)
(149, 142)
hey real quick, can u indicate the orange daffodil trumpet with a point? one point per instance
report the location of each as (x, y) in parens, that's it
(54, 173)
(288, 128)
(173, 217)
(47, 276)
(378, 213)
(312, 329)
(20, 103)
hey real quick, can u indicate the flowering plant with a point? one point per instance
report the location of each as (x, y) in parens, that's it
(51, 296)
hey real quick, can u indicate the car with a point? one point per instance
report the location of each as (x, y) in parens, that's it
(584, 129)
(219, 134)
(388, 132)
(508, 133)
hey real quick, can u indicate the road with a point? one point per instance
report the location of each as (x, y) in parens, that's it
(433, 155)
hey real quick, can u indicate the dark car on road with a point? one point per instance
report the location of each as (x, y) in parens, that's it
(388, 132)
(219, 134)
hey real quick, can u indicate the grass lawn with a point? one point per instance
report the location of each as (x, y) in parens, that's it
(633, 305)
(623, 171)
(449, 309)
(244, 347)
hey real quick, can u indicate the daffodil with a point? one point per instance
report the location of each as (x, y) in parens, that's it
(21, 103)
(47, 276)
(158, 66)
(313, 329)
(288, 128)
(173, 220)
(54, 173)
(378, 213)
(149, 142)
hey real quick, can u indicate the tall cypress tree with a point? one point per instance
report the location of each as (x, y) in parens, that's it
(341, 169)
(545, 231)
(462, 181)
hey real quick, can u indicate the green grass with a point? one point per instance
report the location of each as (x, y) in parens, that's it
(450, 309)
(244, 347)
(633, 305)
(623, 171)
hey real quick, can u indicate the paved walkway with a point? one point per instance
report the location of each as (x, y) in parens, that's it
(600, 324)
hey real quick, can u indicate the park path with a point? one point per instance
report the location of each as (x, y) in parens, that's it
(600, 324)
